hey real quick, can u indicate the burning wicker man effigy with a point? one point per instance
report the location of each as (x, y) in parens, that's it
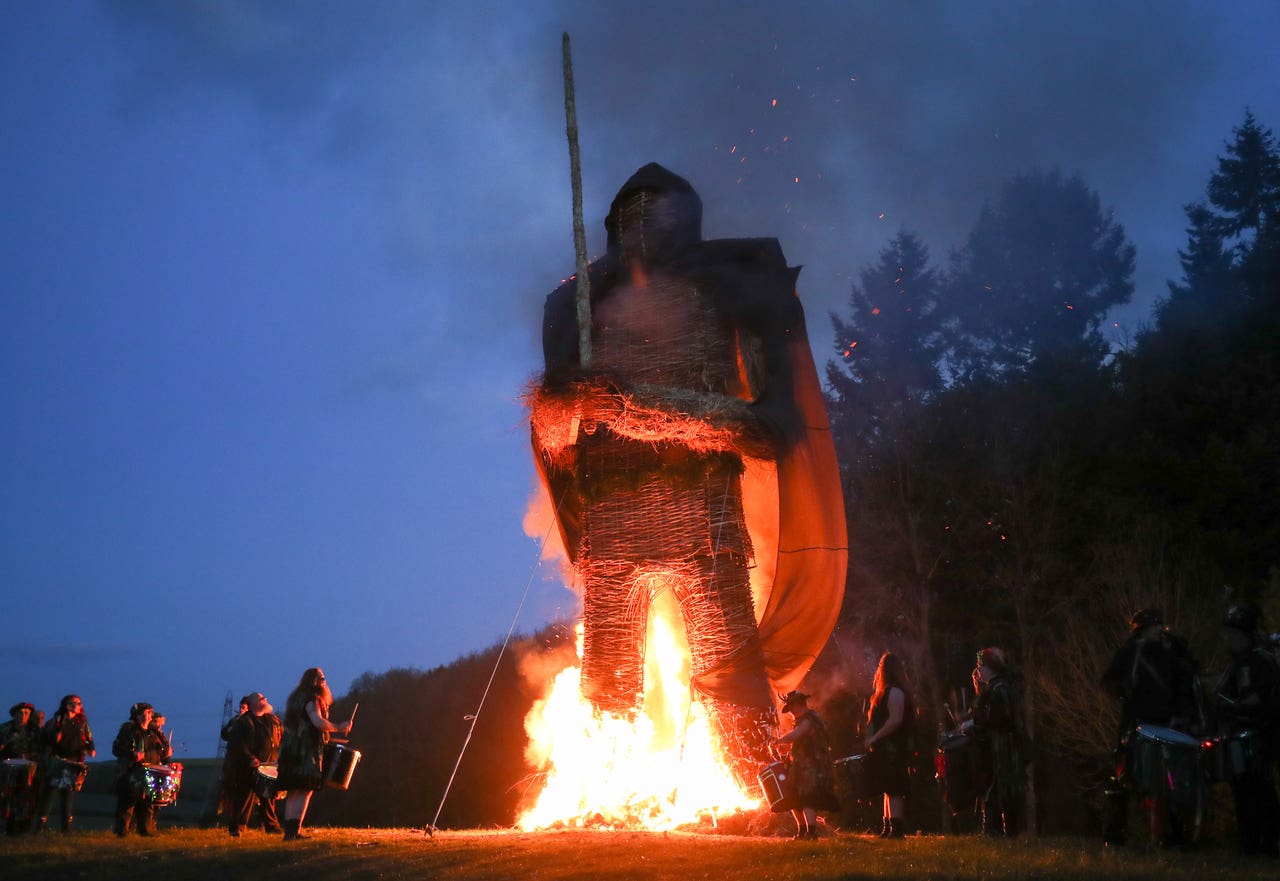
(690, 451)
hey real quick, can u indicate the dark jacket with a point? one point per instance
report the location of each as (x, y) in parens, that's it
(1156, 679)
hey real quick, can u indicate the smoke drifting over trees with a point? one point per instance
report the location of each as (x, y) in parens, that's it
(1009, 480)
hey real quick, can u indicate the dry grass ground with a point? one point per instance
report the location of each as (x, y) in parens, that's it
(360, 854)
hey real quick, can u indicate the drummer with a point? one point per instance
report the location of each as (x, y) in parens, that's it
(252, 741)
(1155, 677)
(133, 749)
(67, 738)
(306, 731)
(1248, 702)
(20, 741)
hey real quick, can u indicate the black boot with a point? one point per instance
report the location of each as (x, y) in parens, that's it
(66, 823)
(895, 829)
(293, 831)
(884, 827)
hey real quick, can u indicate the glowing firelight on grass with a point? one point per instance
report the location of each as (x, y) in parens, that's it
(657, 771)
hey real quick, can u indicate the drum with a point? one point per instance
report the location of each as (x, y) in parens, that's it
(65, 774)
(958, 768)
(18, 774)
(854, 776)
(340, 762)
(773, 785)
(266, 782)
(1165, 761)
(158, 784)
(1238, 755)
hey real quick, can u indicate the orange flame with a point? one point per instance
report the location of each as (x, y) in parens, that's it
(658, 771)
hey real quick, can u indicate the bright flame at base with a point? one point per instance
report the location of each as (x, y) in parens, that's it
(657, 771)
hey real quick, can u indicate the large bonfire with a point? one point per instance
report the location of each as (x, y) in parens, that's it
(657, 768)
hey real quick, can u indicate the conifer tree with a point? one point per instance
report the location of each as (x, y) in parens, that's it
(1037, 275)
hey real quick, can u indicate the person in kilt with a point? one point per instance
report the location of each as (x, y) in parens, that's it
(890, 727)
(811, 778)
(306, 732)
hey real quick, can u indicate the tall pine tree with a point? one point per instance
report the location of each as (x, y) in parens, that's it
(1037, 275)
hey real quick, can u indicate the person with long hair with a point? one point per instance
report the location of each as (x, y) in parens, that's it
(306, 732)
(67, 741)
(890, 725)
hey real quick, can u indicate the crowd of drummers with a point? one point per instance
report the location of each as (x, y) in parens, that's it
(45, 762)
(1175, 739)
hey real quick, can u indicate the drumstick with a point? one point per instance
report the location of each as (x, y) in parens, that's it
(353, 716)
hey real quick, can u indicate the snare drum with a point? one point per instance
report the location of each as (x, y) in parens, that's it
(773, 784)
(18, 774)
(266, 782)
(158, 784)
(66, 774)
(1165, 761)
(340, 762)
(1239, 755)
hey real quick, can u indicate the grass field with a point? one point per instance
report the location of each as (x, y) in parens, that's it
(368, 854)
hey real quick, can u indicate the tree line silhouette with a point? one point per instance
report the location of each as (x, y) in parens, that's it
(1011, 478)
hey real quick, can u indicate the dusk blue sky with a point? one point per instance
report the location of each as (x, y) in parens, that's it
(272, 276)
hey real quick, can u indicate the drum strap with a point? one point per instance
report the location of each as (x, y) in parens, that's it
(1139, 659)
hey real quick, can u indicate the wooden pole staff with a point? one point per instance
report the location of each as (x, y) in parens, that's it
(579, 232)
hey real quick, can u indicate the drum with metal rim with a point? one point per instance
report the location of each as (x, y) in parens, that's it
(340, 762)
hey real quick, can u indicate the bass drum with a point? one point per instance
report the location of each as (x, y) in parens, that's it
(853, 776)
(18, 774)
(1239, 755)
(1168, 767)
(1165, 761)
(958, 769)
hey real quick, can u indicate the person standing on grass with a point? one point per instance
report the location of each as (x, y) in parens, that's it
(997, 722)
(67, 741)
(1248, 704)
(250, 745)
(1156, 679)
(133, 748)
(306, 732)
(19, 742)
(811, 784)
(890, 723)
